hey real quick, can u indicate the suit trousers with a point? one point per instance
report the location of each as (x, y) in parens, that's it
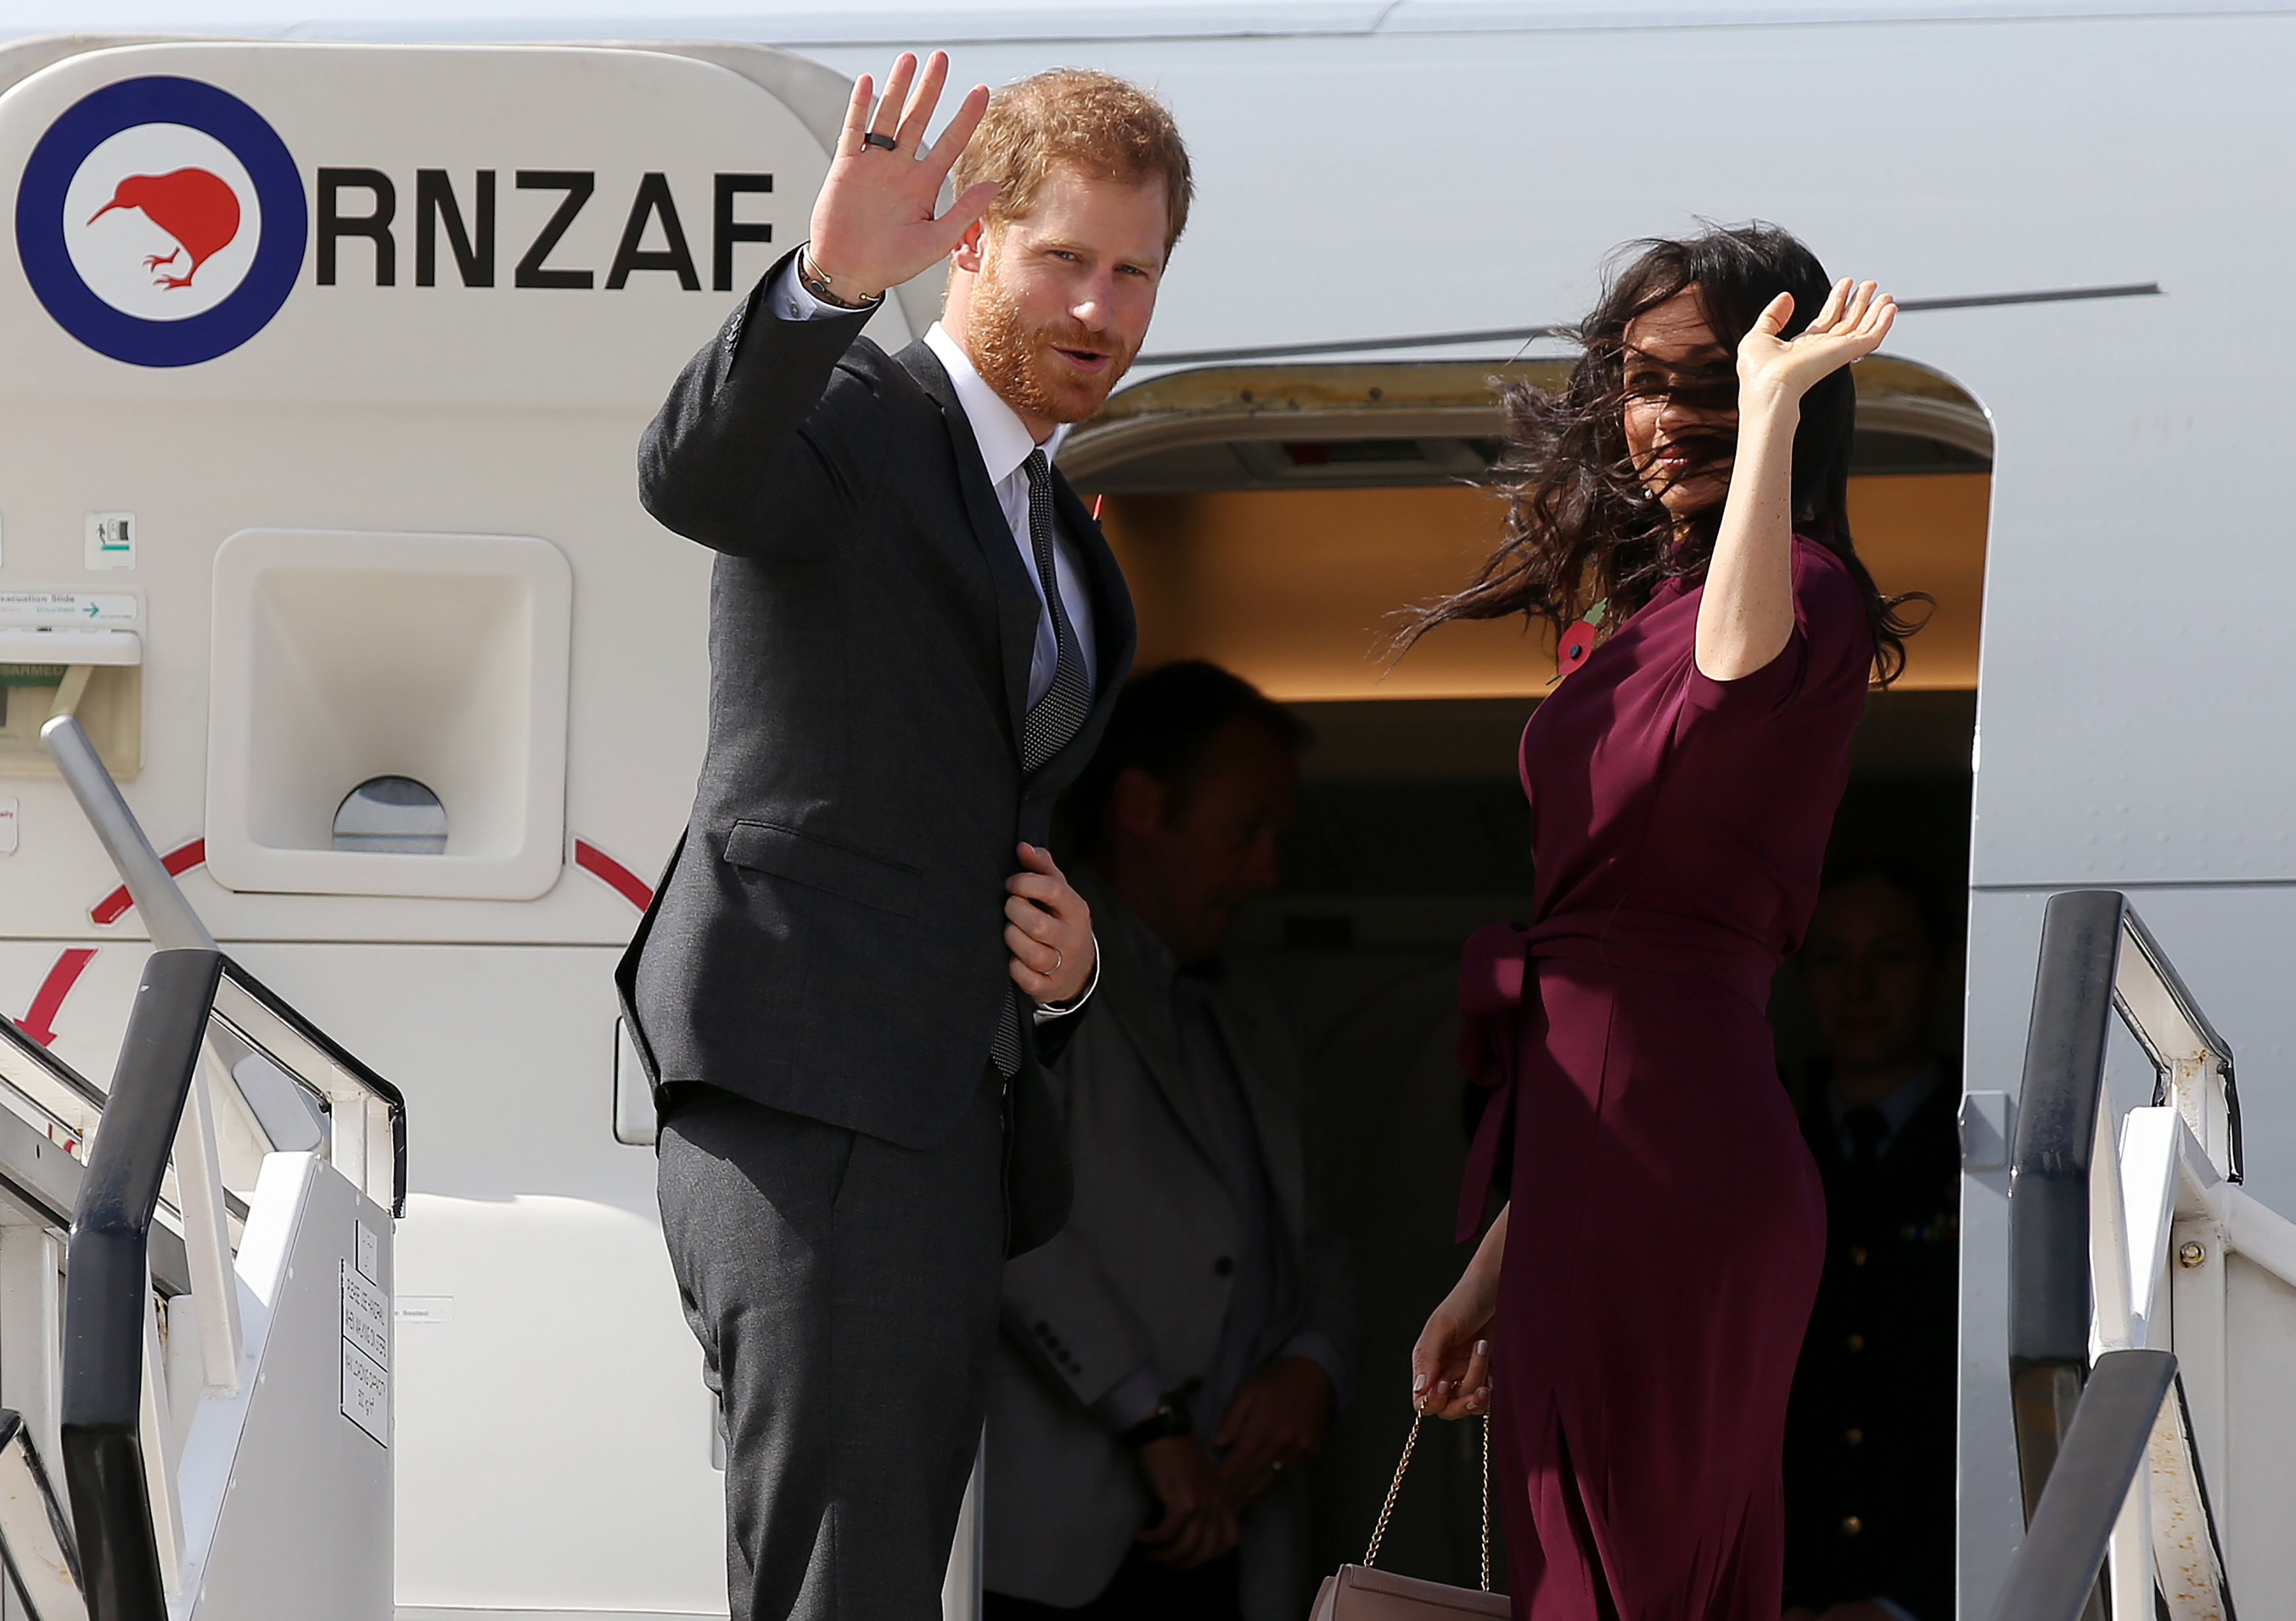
(845, 1293)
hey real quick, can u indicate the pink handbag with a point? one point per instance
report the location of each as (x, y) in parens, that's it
(1358, 1592)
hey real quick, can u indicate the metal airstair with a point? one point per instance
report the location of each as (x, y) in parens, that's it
(2152, 1305)
(195, 1379)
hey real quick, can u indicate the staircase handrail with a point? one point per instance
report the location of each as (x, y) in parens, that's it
(2177, 1037)
(360, 1087)
(161, 1105)
(2054, 1572)
(2079, 1275)
(2057, 1106)
(108, 1286)
(167, 916)
(2098, 959)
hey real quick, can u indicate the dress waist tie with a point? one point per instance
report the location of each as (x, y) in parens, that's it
(1495, 976)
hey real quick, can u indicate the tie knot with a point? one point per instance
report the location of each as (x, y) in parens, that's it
(1866, 1127)
(1040, 472)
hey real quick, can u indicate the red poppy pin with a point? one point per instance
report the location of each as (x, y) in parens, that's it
(1578, 641)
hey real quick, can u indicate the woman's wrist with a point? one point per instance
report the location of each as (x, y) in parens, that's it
(1476, 1299)
(1769, 403)
(1479, 1285)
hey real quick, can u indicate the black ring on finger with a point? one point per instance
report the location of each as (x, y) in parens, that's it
(874, 139)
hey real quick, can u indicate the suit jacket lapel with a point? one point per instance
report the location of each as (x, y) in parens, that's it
(1132, 987)
(1017, 605)
(1266, 1067)
(1115, 633)
(1114, 630)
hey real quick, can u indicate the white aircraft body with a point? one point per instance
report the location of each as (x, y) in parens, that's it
(350, 496)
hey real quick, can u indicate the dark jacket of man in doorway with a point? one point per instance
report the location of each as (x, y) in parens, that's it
(1170, 1361)
(1871, 1427)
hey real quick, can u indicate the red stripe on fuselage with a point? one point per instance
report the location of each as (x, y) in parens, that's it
(624, 883)
(40, 1023)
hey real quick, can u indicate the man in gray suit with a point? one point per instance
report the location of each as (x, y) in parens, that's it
(1170, 1360)
(844, 990)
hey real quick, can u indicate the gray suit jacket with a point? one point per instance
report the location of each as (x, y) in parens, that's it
(828, 938)
(1142, 1270)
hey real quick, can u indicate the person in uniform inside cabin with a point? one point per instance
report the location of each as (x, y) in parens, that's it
(1871, 1426)
(1170, 1361)
(1680, 517)
(845, 991)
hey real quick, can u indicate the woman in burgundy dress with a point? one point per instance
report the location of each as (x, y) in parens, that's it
(1681, 509)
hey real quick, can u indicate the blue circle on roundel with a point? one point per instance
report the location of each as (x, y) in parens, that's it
(95, 118)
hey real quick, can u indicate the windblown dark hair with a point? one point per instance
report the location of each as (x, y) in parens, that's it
(1580, 526)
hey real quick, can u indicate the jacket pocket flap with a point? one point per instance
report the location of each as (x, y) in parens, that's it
(802, 859)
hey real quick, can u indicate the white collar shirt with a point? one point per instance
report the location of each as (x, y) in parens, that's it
(1004, 447)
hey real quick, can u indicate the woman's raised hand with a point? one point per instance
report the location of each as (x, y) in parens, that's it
(1777, 370)
(874, 225)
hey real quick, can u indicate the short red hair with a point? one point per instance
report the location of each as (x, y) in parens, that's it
(1111, 128)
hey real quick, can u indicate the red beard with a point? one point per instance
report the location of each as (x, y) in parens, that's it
(1010, 354)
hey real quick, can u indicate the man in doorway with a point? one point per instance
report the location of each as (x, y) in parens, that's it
(844, 990)
(1871, 1426)
(1171, 1360)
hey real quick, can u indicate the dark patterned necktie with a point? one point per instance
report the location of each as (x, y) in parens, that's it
(1052, 722)
(1056, 717)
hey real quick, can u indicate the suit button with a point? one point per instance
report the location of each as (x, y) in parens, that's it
(1043, 1331)
(1851, 1438)
(1852, 1525)
(1224, 1265)
(1857, 1254)
(1856, 1342)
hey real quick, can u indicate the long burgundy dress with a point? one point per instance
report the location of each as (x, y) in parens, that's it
(1667, 1227)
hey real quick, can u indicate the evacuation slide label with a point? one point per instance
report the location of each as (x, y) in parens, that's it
(367, 1354)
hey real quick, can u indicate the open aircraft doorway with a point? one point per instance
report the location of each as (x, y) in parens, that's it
(1275, 519)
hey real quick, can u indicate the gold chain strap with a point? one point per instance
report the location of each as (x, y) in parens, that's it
(1387, 1509)
(1379, 1531)
(1486, 1502)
